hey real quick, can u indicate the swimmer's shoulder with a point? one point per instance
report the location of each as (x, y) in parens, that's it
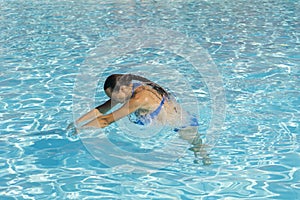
(144, 96)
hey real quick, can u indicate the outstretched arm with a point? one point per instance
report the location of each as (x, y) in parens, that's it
(104, 120)
(96, 112)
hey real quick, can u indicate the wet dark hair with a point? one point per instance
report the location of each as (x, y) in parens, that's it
(115, 81)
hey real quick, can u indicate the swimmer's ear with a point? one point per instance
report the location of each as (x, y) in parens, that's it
(123, 88)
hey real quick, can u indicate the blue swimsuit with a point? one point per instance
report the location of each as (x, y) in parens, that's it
(144, 119)
(147, 119)
(193, 122)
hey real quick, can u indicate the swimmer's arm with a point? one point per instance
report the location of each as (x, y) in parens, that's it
(96, 112)
(104, 120)
(106, 106)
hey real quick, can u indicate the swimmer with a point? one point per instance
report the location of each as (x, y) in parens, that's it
(144, 102)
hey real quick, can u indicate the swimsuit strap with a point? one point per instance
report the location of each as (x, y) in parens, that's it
(143, 120)
(146, 119)
(134, 86)
(156, 112)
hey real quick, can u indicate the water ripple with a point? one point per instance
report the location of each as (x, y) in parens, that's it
(42, 45)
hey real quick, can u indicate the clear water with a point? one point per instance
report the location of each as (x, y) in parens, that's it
(255, 46)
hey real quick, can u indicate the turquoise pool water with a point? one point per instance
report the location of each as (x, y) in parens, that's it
(254, 45)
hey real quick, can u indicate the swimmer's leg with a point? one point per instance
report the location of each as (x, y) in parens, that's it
(191, 135)
(199, 149)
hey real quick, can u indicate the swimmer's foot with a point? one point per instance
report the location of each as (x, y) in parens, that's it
(200, 152)
(206, 161)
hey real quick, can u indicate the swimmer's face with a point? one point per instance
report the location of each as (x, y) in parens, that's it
(119, 94)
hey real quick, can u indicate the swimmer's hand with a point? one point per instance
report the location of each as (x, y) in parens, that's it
(72, 130)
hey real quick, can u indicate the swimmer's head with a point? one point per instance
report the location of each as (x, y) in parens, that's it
(119, 87)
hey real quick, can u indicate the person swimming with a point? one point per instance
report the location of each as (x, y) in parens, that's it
(144, 103)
